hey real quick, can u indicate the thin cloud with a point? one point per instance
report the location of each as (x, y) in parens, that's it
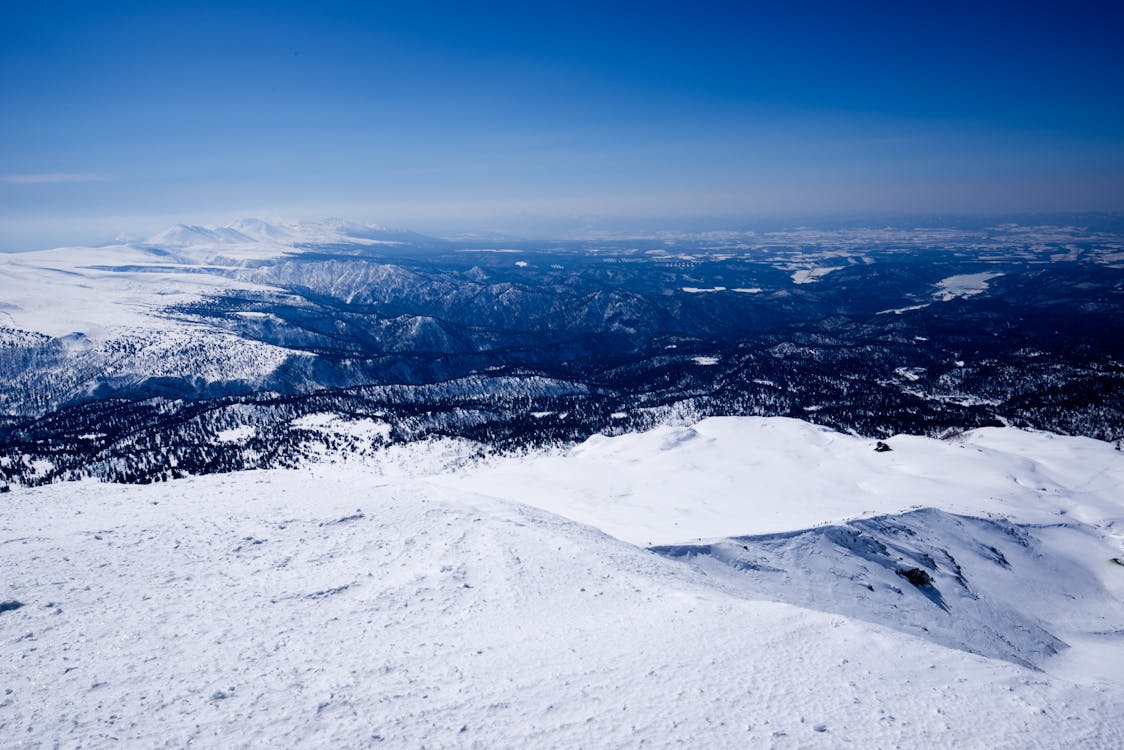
(50, 178)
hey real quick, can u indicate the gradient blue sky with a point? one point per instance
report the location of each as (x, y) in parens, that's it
(125, 117)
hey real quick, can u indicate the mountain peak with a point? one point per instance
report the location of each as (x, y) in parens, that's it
(182, 235)
(254, 231)
(261, 230)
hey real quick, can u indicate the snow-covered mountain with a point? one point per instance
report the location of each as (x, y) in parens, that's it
(738, 582)
(132, 362)
(373, 513)
(125, 304)
(182, 235)
(95, 290)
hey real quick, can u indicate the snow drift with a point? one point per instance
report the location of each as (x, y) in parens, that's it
(382, 603)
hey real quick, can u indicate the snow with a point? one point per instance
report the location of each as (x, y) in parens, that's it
(754, 475)
(901, 310)
(336, 424)
(100, 296)
(978, 584)
(257, 315)
(703, 290)
(812, 275)
(963, 286)
(912, 374)
(254, 239)
(414, 601)
(132, 284)
(704, 360)
(117, 321)
(261, 230)
(182, 235)
(239, 434)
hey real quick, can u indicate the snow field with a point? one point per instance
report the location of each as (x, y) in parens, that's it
(359, 606)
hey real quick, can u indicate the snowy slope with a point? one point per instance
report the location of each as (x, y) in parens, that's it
(99, 290)
(104, 316)
(756, 475)
(354, 605)
(112, 316)
(1015, 526)
(983, 585)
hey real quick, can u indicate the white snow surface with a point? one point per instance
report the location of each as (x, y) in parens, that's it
(335, 423)
(238, 434)
(812, 275)
(963, 286)
(756, 475)
(100, 297)
(510, 604)
(129, 285)
(114, 308)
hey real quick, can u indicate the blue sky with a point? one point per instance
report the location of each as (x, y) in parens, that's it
(124, 117)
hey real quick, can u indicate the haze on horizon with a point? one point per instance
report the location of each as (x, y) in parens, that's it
(128, 116)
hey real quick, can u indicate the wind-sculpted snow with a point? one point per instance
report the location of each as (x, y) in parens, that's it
(996, 541)
(984, 585)
(350, 607)
(733, 476)
(465, 495)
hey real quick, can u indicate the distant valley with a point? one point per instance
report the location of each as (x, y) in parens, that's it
(222, 348)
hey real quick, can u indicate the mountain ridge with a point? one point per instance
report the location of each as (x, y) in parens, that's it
(923, 332)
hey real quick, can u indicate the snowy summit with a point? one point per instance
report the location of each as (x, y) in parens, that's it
(741, 582)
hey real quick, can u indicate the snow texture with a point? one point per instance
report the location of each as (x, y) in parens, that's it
(963, 286)
(384, 605)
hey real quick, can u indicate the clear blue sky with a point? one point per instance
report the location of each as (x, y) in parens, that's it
(127, 116)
